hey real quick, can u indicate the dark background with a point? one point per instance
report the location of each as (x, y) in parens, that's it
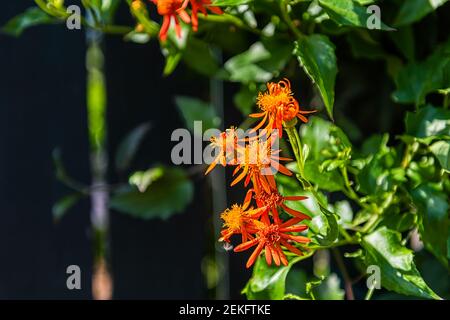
(42, 107)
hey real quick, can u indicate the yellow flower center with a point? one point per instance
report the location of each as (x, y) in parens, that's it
(233, 218)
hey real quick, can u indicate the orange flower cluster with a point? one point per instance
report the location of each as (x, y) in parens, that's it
(256, 160)
(176, 10)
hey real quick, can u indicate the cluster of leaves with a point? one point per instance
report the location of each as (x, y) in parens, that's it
(394, 186)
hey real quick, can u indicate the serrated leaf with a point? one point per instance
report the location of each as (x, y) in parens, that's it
(316, 55)
(168, 195)
(398, 271)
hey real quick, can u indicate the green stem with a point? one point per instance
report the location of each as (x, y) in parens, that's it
(228, 18)
(287, 19)
(369, 293)
(295, 142)
(446, 100)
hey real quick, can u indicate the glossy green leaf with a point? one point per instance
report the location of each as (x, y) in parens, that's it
(330, 181)
(380, 173)
(260, 63)
(323, 138)
(398, 271)
(193, 109)
(348, 13)
(31, 17)
(129, 146)
(441, 149)
(428, 122)
(316, 55)
(167, 195)
(325, 227)
(414, 10)
(267, 282)
(433, 211)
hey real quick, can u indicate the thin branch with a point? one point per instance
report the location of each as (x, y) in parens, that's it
(343, 269)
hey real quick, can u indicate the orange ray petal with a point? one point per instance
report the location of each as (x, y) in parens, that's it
(254, 255)
(246, 245)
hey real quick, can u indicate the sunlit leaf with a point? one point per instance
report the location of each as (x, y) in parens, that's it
(316, 55)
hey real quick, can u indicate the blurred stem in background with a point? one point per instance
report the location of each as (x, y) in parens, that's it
(96, 105)
(219, 197)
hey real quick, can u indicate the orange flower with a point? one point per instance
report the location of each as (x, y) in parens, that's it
(239, 220)
(271, 238)
(199, 5)
(225, 145)
(258, 162)
(274, 200)
(171, 9)
(278, 105)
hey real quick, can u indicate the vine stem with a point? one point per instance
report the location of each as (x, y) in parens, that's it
(228, 18)
(287, 19)
(295, 142)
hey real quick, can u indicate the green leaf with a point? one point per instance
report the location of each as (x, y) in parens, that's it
(434, 223)
(267, 282)
(316, 55)
(424, 169)
(199, 57)
(414, 10)
(63, 205)
(428, 122)
(324, 139)
(325, 227)
(245, 99)
(348, 13)
(143, 179)
(230, 3)
(327, 180)
(329, 289)
(380, 173)
(398, 271)
(193, 109)
(404, 41)
(441, 149)
(260, 63)
(130, 145)
(417, 79)
(167, 195)
(31, 17)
